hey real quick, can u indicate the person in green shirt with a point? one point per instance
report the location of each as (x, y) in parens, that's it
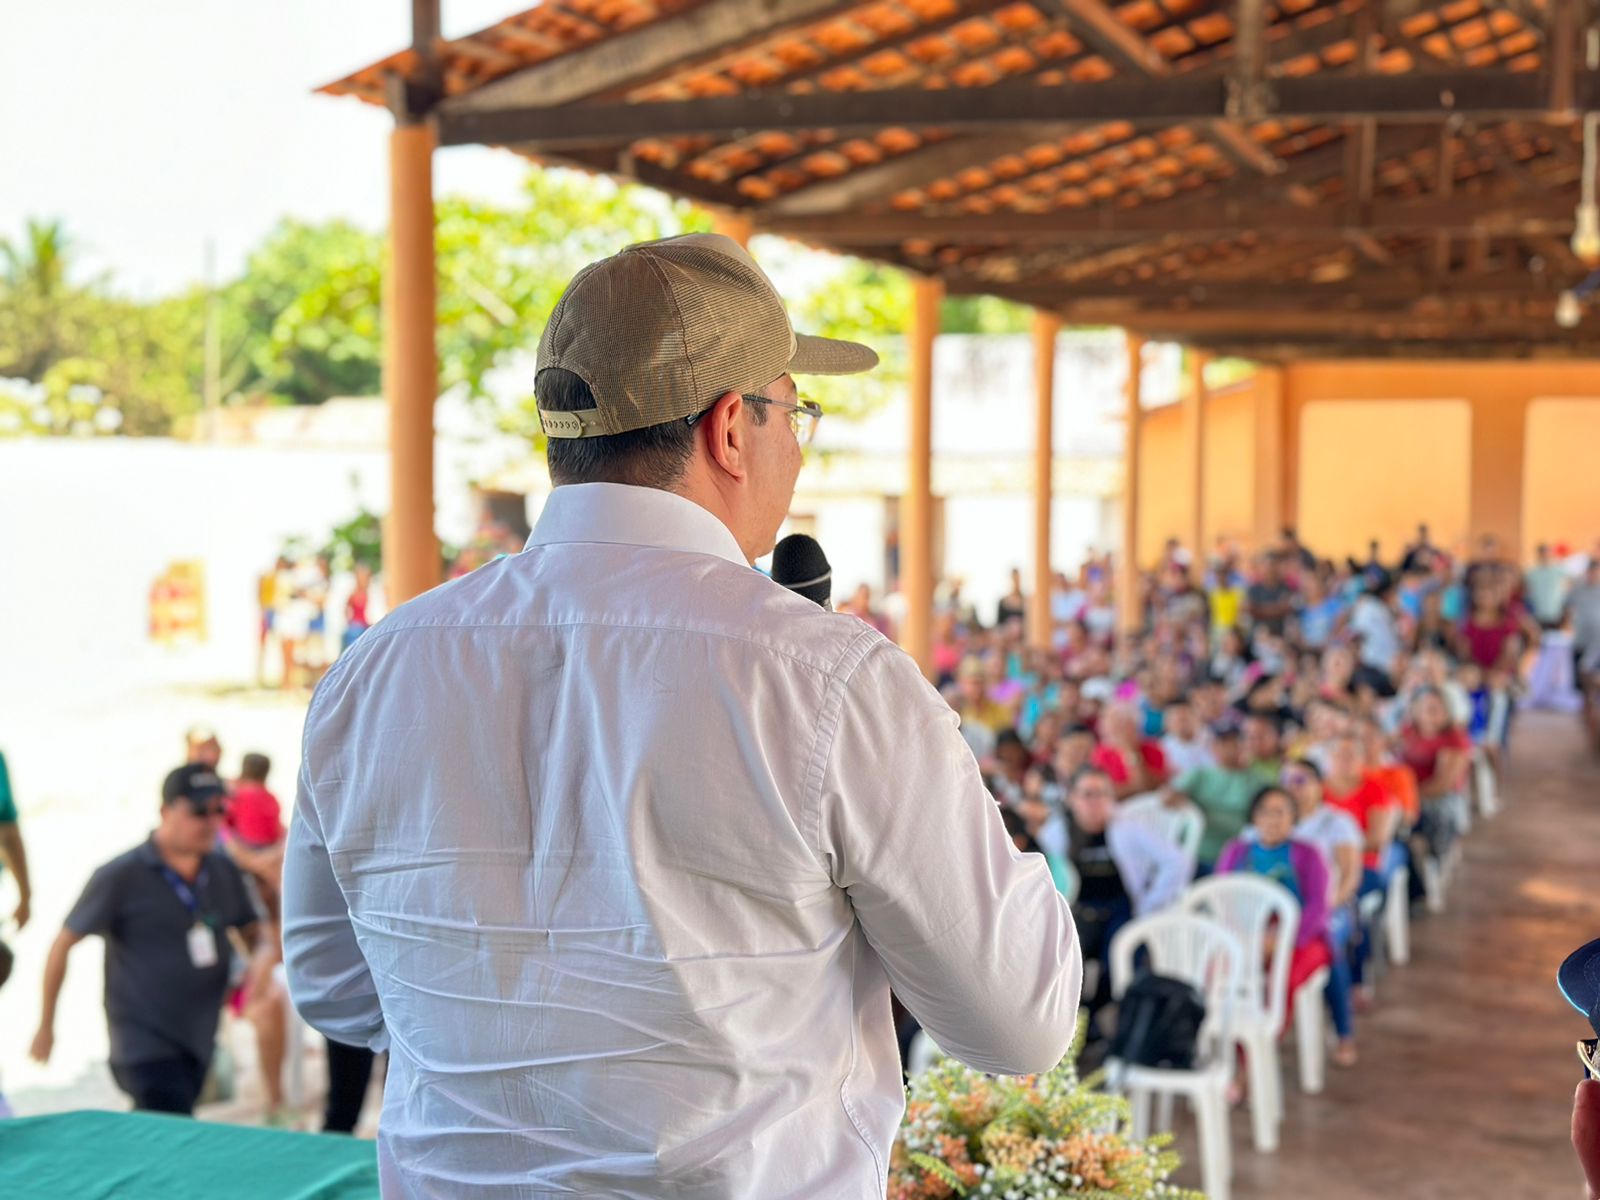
(1222, 793)
(12, 852)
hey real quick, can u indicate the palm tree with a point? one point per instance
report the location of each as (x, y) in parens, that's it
(36, 301)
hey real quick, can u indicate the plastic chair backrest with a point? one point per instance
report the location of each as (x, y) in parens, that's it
(1248, 905)
(1183, 826)
(1198, 951)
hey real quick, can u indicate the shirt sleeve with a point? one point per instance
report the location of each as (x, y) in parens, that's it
(329, 981)
(1313, 893)
(8, 803)
(976, 940)
(97, 906)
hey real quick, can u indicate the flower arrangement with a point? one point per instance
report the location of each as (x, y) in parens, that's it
(1030, 1137)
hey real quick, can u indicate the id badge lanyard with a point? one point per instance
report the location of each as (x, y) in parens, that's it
(202, 942)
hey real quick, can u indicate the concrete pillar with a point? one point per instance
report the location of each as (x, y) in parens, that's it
(410, 366)
(1127, 565)
(1499, 439)
(1045, 327)
(1194, 421)
(1269, 487)
(916, 512)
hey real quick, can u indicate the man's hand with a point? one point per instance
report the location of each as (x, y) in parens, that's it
(45, 1041)
(1173, 799)
(1586, 1133)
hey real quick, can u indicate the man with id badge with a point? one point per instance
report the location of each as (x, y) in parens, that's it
(165, 910)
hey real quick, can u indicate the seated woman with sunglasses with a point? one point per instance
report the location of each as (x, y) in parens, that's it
(1270, 848)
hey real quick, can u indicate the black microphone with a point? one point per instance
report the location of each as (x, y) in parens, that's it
(799, 564)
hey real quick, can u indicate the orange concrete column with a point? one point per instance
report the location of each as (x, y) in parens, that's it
(1194, 421)
(734, 224)
(1290, 404)
(1499, 436)
(410, 366)
(1269, 455)
(916, 512)
(1045, 327)
(1127, 572)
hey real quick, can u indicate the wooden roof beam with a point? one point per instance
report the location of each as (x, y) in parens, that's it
(1287, 350)
(919, 167)
(1394, 289)
(1507, 216)
(1154, 102)
(1104, 32)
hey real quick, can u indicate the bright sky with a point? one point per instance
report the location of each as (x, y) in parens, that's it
(149, 128)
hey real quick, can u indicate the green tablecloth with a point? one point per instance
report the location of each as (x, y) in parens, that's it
(134, 1156)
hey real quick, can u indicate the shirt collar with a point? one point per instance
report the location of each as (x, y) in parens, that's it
(619, 514)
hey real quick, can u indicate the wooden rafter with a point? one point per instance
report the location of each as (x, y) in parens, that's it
(1146, 101)
(1463, 214)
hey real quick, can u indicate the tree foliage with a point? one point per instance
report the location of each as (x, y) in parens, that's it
(303, 321)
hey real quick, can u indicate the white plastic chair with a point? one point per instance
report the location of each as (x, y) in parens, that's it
(1183, 826)
(1206, 955)
(1397, 918)
(1485, 787)
(1249, 906)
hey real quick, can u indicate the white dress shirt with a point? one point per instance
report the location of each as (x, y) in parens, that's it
(617, 846)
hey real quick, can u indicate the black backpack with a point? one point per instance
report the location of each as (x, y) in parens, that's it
(1158, 1023)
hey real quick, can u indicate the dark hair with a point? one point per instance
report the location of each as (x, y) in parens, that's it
(1016, 827)
(1260, 798)
(1306, 765)
(255, 768)
(1084, 772)
(1008, 737)
(655, 456)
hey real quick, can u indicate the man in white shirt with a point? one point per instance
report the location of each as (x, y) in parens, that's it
(617, 846)
(1185, 743)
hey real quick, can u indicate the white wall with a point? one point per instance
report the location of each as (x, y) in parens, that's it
(87, 526)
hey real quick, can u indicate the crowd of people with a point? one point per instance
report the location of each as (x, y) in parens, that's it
(1324, 717)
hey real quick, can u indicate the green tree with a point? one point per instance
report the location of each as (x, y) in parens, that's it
(43, 315)
(304, 316)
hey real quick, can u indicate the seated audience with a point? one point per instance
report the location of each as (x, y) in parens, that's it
(1222, 793)
(1275, 853)
(1338, 839)
(1184, 745)
(1124, 870)
(1134, 762)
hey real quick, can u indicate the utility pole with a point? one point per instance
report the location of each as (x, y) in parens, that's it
(213, 380)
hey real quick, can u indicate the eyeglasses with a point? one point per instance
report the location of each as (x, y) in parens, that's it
(206, 812)
(1589, 1056)
(803, 416)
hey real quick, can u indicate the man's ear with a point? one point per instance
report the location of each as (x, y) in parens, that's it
(726, 436)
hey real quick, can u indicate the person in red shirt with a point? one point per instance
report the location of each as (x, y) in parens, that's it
(1348, 786)
(1440, 755)
(1134, 763)
(254, 815)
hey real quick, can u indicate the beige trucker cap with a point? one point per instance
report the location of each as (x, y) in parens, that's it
(662, 329)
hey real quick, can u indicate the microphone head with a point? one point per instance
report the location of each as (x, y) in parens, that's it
(799, 564)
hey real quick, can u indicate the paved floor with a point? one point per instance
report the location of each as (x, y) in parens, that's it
(1464, 1090)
